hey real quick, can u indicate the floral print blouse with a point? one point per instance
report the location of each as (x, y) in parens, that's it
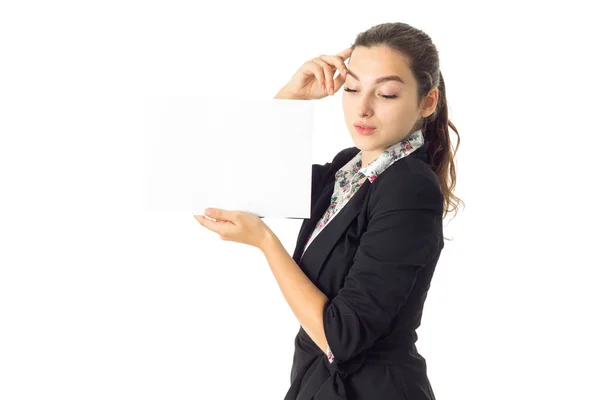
(351, 176)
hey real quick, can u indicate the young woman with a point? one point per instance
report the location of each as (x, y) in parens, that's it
(364, 261)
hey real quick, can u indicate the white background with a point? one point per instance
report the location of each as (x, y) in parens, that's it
(105, 302)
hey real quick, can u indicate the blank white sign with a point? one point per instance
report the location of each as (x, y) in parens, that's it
(252, 155)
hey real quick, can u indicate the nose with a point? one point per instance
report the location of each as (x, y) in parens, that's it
(364, 107)
(365, 112)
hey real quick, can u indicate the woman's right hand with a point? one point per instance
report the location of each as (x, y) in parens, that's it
(314, 80)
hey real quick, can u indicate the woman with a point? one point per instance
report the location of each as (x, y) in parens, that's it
(363, 262)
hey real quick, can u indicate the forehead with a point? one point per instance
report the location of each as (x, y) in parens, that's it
(371, 63)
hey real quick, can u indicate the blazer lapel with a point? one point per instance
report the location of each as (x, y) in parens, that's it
(320, 206)
(323, 200)
(314, 257)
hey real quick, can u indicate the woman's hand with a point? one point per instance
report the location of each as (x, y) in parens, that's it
(314, 79)
(236, 226)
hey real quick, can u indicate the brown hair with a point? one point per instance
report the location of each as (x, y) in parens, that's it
(424, 64)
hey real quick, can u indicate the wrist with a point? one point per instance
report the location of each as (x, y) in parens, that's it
(268, 239)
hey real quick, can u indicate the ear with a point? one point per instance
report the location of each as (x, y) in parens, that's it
(430, 102)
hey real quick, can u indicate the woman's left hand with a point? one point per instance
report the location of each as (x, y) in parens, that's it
(236, 226)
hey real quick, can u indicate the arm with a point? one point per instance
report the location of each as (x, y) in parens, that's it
(400, 239)
(304, 298)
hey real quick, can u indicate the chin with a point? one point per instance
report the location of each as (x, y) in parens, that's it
(365, 142)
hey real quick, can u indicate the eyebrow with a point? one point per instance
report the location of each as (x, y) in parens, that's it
(379, 80)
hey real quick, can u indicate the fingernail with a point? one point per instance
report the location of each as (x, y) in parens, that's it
(330, 91)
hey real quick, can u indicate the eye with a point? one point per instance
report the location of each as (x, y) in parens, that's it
(387, 97)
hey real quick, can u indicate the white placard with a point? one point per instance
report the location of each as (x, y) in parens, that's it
(250, 155)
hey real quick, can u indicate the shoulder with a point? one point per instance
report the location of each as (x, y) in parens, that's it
(409, 183)
(344, 156)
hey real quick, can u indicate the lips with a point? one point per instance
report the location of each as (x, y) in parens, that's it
(364, 131)
(364, 126)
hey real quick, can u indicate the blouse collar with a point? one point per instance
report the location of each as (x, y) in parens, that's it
(390, 155)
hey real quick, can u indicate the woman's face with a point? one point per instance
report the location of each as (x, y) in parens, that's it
(392, 117)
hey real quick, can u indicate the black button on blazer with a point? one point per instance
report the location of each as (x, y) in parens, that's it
(374, 261)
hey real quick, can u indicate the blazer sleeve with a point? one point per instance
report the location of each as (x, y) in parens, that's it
(401, 237)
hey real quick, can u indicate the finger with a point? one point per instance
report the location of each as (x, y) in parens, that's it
(346, 52)
(328, 71)
(339, 82)
(336, 61)
(208, 223)
(222, 228)
(220, 215)
(318, 72)
(341, 78)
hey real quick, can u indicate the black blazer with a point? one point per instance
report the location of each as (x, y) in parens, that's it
(374, 261)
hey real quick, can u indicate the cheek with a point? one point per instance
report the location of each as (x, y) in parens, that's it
(346, 106)
(351, 103)
(393, 116)
(344, 100)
